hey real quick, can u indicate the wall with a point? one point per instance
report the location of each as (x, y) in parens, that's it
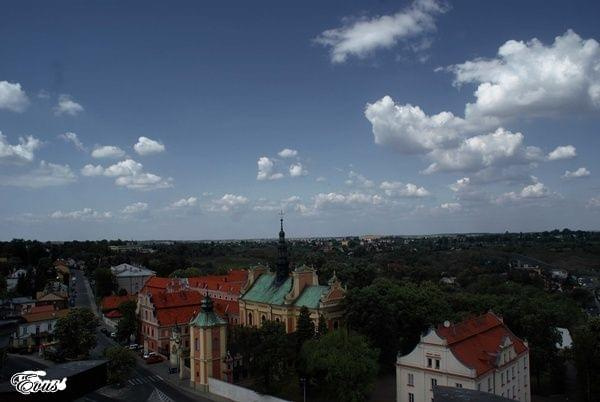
(238, 394)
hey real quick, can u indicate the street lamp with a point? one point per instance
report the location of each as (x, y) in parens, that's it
(303, 382)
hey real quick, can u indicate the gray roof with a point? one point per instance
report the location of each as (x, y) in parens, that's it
(452, 394)
(127, 270)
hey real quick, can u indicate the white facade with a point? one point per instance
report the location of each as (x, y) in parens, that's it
(130, 277)
(433, 362)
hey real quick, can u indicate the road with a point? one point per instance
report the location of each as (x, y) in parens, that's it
(143, 385)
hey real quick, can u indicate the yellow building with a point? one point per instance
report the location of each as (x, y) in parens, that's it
(208, 346)
(279, 296)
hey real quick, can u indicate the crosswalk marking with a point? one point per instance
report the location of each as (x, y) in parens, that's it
(144, 380)
(157, 395)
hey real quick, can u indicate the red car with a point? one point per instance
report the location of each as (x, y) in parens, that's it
(154, 359)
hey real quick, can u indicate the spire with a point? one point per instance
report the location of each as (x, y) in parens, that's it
(207, 304)
(283, 264)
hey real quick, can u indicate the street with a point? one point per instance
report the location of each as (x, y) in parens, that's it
(143, 385)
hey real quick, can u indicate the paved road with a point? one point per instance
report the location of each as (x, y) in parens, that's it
(143, 385)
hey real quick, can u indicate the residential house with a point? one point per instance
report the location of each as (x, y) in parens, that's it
(36, 328)
(130, 277)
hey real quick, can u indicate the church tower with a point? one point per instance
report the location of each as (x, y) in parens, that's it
(283, 263)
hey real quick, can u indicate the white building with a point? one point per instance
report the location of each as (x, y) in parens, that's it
(480, 354)
(130, 277)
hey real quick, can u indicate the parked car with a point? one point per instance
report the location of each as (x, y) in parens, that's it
(148, 354)
(113, 335)
(133, 346)
(154, 359)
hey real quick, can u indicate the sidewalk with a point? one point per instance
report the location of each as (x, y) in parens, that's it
(162, 369)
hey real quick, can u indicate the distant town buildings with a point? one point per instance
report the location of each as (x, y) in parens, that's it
(480, 354)
(130, 277)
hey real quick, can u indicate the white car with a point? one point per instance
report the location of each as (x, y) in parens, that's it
(113, 334)
(148, 354)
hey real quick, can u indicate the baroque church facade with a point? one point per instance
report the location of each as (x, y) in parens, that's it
(279, 296)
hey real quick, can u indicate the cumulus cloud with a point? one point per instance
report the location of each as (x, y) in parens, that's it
(13, 97)
(593, 202)
(85, 214)
(73, 139)
(108, 151)
(398, 189)
(66, 105)
(533, 191)
(530, 78)
(147, 146)
(451, 206)
(501, 147)
(45, 175)
(287, 153)
(135, 208)
(409, 130)
(579, 173)
(265, 169)
(24, 151)
(327, 200)
(228, 203)
(360, 37)
(562, 152)
(185, 203)
(130, 174)
(297, 170)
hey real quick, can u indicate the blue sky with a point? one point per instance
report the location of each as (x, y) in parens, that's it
(149, 120)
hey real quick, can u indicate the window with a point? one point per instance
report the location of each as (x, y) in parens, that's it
(512, 369)
(411, 379)
(433, 382)
(429, 362)
(489, 384)
(411, 397)
(249, 318)
(479, 387)
(196, 343)
(458, 385)
(437, 364)
(502, 378)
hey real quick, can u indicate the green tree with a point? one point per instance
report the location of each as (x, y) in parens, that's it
(106, 283)
(121, 362)
(342, 364)
(586, 353)
(271, 355)
(128, 323)
(24, 285)
(76, 332)
(305, 328)
(3, 287)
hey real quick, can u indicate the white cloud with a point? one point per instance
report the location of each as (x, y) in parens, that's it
(45, 175)
(398, 189)
(325, 200)
(533, 191)
(409, 130)
(85, 214)
(290, 200)
(579, 173)
(265, 169)
(22, 152)
(229, 203)
(92, 170)
(128, 167)
(12, 97)
(360, 37)
(530, 78)
(562, 152)
(296, 170)
(185, 203)
(147, 146)
(321, 179)
(593, 202)
(287, 153)
(108, 151)
(144, 181)
(482, 151)
(451, 206)
(135, 208)
(66, 105)
(358, 180)
(73, 139)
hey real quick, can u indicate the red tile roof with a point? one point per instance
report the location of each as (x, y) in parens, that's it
(113, 302)
(113, 314)
(476, 342)
(41, 309)
(45, 315)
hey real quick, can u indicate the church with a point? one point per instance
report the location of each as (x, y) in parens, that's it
(279, 296)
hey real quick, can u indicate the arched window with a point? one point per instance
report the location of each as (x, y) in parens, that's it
(249, 318)
(336, 324)
(277, 319)
(263, 318)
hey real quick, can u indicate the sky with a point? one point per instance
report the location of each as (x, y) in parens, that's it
(203, 120)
